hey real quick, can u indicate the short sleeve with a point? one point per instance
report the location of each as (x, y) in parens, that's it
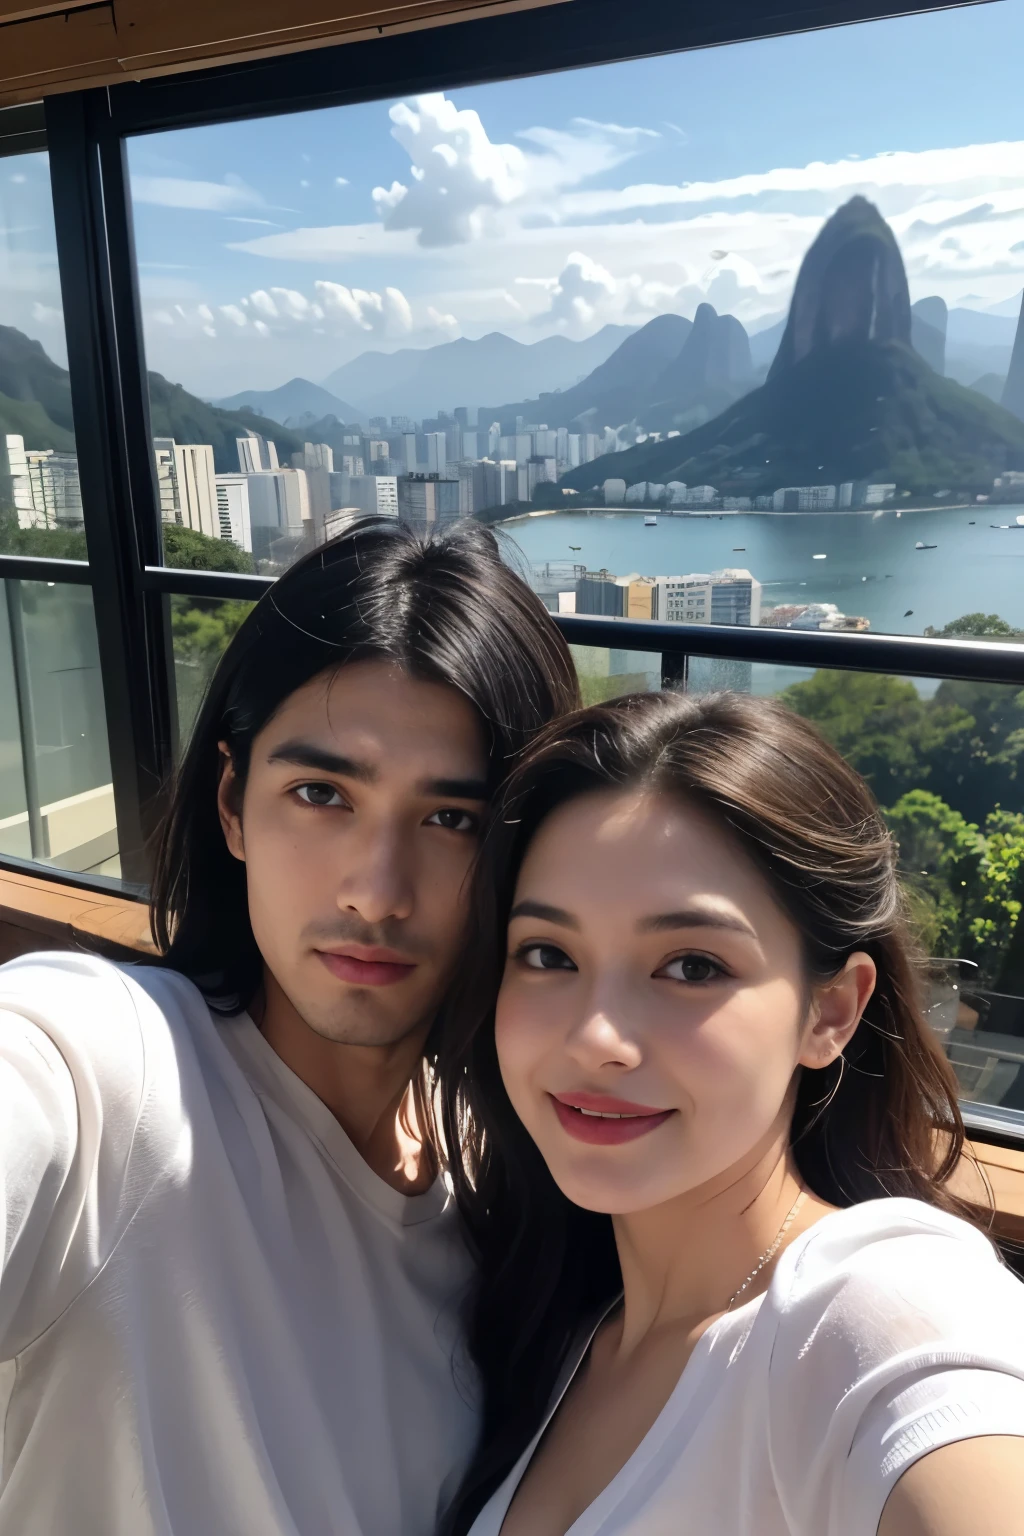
(899, 1330)
(73, 1077)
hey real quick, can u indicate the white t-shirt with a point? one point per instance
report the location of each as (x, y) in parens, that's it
(888, 1329)
(215, 1320)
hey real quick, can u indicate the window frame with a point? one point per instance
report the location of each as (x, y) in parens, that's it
(86, 133)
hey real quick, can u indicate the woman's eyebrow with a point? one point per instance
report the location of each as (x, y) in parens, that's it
(695, 917)
(540, 909)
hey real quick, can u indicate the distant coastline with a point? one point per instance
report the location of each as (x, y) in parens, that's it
(686, 512)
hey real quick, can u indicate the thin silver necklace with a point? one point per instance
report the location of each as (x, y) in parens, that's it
(769, 1252)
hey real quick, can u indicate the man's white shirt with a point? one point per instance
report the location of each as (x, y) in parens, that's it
(214, 1318)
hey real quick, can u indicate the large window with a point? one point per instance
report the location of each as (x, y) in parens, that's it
(40, 490)
(728, 335)
(56, 789)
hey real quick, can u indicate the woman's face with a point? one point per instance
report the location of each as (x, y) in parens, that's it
(651, 975)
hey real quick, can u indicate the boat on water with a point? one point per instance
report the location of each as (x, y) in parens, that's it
(919, 545)
(650, 522)
(1015, 526)
(739, 549)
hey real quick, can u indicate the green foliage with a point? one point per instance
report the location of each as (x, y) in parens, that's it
(964, 882)
(175, 413)
(976, 626)
(201, 631)
(47, 543)
(881, 726)
(186, 549)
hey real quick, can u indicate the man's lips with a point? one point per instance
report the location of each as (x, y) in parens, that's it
(604, 1121)
(364, 966)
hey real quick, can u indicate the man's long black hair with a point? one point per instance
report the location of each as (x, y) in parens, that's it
(444, 607)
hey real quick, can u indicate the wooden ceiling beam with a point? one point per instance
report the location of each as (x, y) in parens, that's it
(84, 44)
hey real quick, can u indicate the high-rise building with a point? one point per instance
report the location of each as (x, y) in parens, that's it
(494, 440)
(437, 453)
(683, 599)
(409, 451)
(470, 441)
(255, 453)
(278, 508)
(317, 456)
(428, 500)
(735, 597)
(379, 426)
(540, 470)
(402, 424)
(45, 487)
(374, 493)
(466, 416)
(545, 443)
(232, 492)
(352, 463)
(377, 449)
(185, 483)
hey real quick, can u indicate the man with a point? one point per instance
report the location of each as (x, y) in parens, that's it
(230, 1285)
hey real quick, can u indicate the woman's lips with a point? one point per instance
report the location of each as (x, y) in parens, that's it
(594, 1121)
(365, 973)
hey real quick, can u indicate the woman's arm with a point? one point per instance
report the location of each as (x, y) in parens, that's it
(969, 1488)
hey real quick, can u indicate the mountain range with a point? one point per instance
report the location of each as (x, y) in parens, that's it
(293, 404)
(35, 401)
(847, 396)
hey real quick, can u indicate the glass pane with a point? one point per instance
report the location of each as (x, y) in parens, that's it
(767, 364)
(201, 629)
(946, 762)
(56, 795)
(40, 494)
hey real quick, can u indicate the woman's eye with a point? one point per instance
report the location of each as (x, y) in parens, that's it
(454, 820)
(319, 794)
(545, 957)
(692, 968)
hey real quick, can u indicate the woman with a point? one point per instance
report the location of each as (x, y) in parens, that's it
(708, 1031)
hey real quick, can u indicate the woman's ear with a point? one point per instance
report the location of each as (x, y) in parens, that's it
(836, 1009)
(228, 807)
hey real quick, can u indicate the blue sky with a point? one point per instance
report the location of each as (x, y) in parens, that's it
(560, 203)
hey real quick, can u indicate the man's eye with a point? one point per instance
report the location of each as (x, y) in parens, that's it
(454, 820)
(545, 957)
(693, 968)
(319, 794)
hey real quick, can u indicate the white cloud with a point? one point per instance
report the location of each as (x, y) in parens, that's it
(977, 168)
(582, 287)
(341, 181)
(234, 314)
(460, 179)
(437, 321)
(366, 310)
(208, 196)
(456, 172)
(47, 314)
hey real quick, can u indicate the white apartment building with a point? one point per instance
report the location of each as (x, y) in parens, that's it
(437, 453)
(186, 485)
(45, 486)
(374, 493)
(255, 453)
(278, 504)
(232, 493)
(682, 599)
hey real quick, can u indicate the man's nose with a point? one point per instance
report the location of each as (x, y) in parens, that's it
(380, 881)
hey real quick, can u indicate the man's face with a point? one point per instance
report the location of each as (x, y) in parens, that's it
(358, 825)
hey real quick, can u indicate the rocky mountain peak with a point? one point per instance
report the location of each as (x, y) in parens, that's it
(852, 286)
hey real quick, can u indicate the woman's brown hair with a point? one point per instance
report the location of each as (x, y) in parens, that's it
(881, 1120)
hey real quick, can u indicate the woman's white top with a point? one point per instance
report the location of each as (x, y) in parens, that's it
(889, 1329)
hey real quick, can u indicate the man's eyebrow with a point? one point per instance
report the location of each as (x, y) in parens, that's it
(306, 754)
(694, 917)
(457, 789)
(546, 914)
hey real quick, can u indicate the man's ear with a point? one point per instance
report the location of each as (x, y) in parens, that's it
(229, 803)
(836, 1009)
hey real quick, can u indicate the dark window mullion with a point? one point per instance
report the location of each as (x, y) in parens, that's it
(111, 429)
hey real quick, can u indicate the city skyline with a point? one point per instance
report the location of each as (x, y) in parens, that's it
(631, 189)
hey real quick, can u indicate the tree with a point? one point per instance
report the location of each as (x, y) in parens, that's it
(186, 549)
(47, 543)
(976, 626)
(881, 726)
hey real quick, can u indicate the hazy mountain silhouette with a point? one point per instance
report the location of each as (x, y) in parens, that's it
(713, 368)
(928, 321)
(419, 382)
(286, 404)
(613, 392)
(1013, 390)
(847, 397)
